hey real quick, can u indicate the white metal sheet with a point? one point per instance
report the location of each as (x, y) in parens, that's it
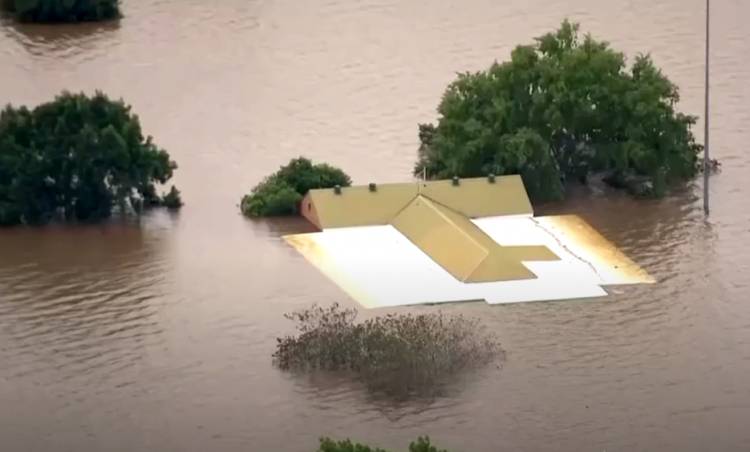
(380, 267)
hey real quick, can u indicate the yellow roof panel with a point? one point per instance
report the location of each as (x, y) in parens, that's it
(461, 247)
(478, 197)
(434, 215)
(455, 249)
(505, 263)
(474, 198)
(358, 206)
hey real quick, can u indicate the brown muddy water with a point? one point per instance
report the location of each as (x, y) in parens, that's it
(157, 336)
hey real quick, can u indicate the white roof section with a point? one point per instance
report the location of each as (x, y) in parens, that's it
(380, 267)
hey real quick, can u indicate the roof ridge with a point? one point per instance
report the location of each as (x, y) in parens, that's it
(405, 206)
(463, 232)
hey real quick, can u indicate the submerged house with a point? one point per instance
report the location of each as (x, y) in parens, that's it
(435, 216)
(453, 240)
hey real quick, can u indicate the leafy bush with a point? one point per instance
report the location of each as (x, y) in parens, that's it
(328, 445)
(402, 352)
(76, 158)
(562, 109)
(62, 10)
(281, 193)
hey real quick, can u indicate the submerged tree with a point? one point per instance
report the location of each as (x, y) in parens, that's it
(396, 354)
(77, 158)
(62, 10)
(562, 109)
(281, 193)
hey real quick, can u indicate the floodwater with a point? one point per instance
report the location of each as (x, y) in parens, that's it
(157, 336)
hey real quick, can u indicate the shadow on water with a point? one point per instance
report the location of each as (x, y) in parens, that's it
(43, 39)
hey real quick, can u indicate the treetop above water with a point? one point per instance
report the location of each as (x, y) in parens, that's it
(62, 11)
(563, 108)
(78, 158)
(281, 192)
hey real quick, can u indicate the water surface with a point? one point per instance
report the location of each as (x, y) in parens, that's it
(157, 336)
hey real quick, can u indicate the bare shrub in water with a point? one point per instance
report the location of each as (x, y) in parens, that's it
(404, 351)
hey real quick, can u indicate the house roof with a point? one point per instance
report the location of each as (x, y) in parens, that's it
(461, 247)
(435, 216)
(360, 206)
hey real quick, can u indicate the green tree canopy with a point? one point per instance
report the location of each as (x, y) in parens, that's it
(422, 444)
(561, 109)
(76, 158)
(62, 10)
(281, 192)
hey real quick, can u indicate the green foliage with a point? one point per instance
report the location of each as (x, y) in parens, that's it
(396, 353)
(63, 10)
(328, 445)
(76, 158)
(281, 193)
(272, 197)
(562, 109)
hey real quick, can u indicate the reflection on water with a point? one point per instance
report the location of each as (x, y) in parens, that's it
(63, 40)
(329, 391)
(157, 335)
(92, 309)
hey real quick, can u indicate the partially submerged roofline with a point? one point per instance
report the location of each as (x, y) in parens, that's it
(369, 205)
